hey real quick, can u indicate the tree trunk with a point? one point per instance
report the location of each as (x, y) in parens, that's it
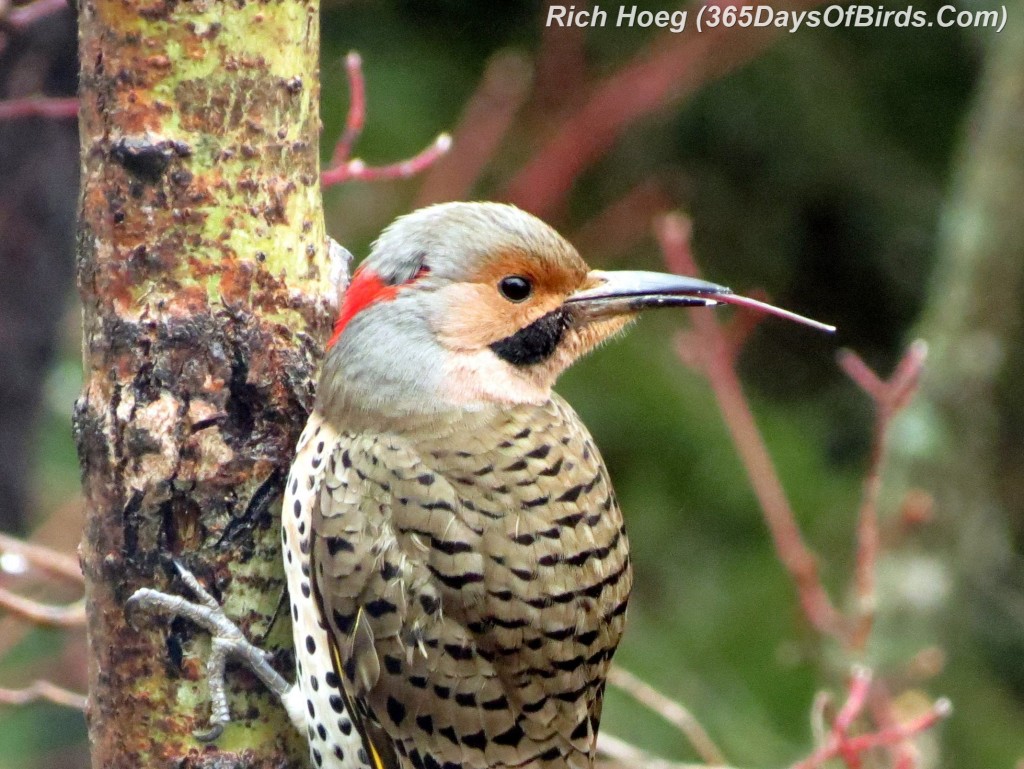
(201, 262)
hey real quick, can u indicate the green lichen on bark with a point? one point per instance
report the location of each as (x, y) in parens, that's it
(201, 262)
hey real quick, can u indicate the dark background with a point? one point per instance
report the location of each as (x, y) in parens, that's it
(819, 171)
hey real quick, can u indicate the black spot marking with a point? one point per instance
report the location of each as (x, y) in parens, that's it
(535, 707)
(569, 521)
(587, 638)
(450, 547)
(336, 544)
(439, 505)
(380, 607)
(477, 740)
(429, 603)
(344, 622)
(459, 652)
(498, 703)
(552, 471)
(396, 711)
(511, 737)
(426, 723)
(571, 495)
(457, 581)
(337, 704)
(310, 644)
(569, 665)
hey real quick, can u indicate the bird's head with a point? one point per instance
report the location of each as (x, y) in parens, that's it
(464, 305)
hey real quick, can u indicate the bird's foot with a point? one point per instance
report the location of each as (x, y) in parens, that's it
(227, 640)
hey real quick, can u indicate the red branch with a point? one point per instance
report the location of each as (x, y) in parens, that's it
(39, 106)
(850, 749)
(675, 65)
(889, 397)
(344, 168)
(623, 223)
(28, 14)
(714, 352)
(485, 121)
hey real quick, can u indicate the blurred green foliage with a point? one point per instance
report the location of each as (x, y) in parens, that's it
(816, 172)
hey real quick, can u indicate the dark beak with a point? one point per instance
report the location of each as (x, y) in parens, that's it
(629, 291)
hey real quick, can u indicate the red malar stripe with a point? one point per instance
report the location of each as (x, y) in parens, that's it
(365, 289)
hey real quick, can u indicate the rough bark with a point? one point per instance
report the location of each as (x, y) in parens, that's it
(201, 261)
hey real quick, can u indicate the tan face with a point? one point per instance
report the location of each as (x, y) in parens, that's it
(508, 330)
(507, 294)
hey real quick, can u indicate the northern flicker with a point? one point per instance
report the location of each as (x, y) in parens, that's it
(457, 564)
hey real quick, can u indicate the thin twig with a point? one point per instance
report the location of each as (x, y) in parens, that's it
(44, 691)
(889, 398)
(673, 66)
(356, 116)
(671, 710)
(718, 358)
(23, 16)
(44, 558)
(622, 224)
(39, 106)
(344, 169)
(71, 615)
(619, 753)
(903, 753)
(886, 737)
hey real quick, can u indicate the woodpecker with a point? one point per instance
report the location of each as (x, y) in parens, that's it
(457, 564)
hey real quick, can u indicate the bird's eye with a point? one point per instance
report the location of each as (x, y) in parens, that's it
(515, 288)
